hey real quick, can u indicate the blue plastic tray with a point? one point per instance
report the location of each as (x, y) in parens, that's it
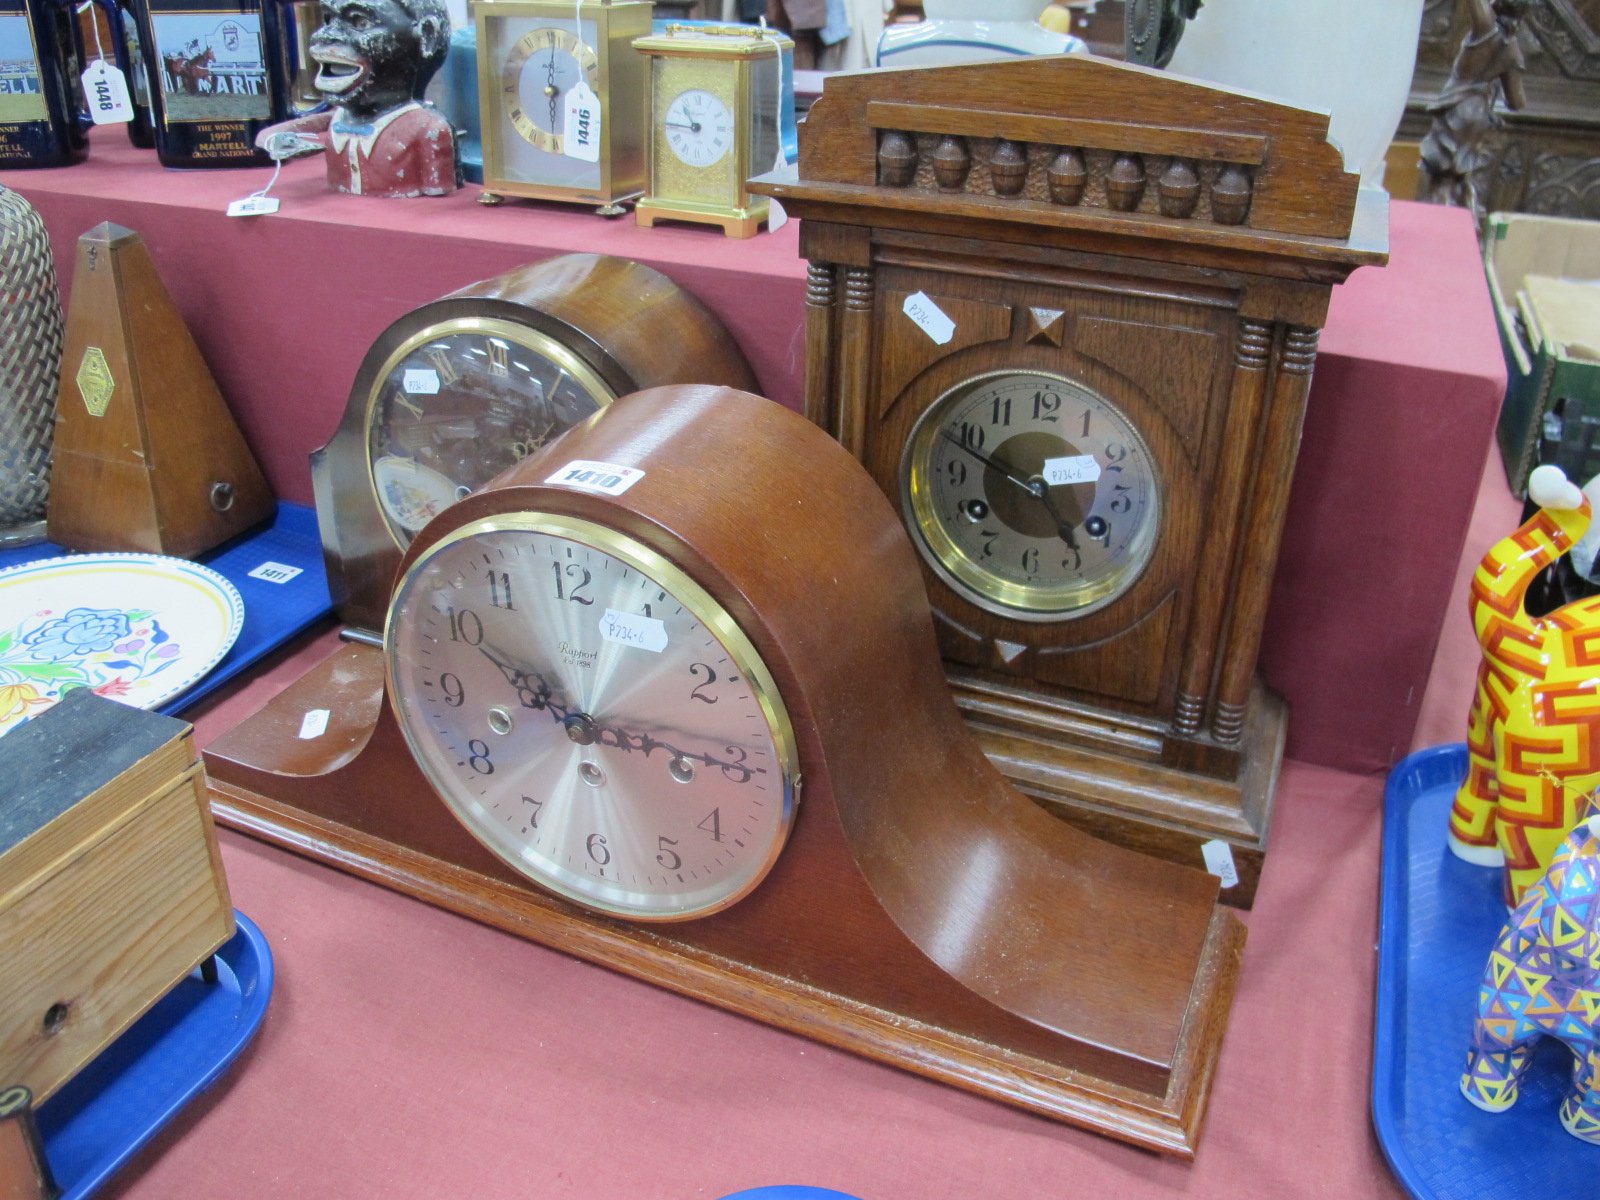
(1439, 917)
(165, 1059)
(273, 612)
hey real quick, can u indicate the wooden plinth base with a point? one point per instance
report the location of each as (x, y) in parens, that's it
(1147, 806)
(350, 798)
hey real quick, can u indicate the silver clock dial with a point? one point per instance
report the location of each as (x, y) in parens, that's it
(592, 716)
(1031, 494)
(699, 127)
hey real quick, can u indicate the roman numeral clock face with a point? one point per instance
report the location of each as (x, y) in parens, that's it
(592, 716)
(1031, 495)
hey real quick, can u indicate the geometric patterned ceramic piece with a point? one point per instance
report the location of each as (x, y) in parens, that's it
(139, 628)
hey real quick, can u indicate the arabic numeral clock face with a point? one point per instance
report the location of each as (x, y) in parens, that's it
(592, 716)
(459, 402)
(1031, 495)
(699, 127)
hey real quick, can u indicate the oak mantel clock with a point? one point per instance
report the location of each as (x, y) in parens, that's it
(666, 695)
(1065, 311)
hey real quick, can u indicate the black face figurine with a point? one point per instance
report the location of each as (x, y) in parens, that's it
(378, 138)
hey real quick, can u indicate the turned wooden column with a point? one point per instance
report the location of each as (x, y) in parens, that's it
(1251, 353)
(855, 360)
(820, 296)
(1263, 529)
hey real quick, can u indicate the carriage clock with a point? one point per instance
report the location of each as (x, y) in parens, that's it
(1065, 311)
(562, 98)
(456, 391)
(715, 104)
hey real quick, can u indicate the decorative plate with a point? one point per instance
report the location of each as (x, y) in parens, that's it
(139, 628)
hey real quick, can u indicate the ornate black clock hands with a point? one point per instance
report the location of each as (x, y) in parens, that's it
(1035, 487)
(533, 692)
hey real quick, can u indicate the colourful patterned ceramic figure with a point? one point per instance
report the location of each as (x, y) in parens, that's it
(1534, 734)
(1543, 980)
(377, 137)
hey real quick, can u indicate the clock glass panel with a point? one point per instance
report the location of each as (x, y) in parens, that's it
(537, 64)
(592, 716)
(459, 402)
(1031, 494)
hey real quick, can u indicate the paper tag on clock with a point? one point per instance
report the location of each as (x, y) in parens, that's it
(420, 381)
(930, 318)
(632, 629)
(106, 90)
(1219, 862)
(1073, 468)
(606, 478)
(581, 124)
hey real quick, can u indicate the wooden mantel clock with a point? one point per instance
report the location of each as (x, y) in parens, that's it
(666, 695)
(1065, 312)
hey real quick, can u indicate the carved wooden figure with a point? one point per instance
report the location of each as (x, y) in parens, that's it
(1533, 736)
(1080, 374)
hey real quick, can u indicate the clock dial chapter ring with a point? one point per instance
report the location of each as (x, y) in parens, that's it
(1031, 495)
(592, 715)
(541, 67)
(427, 448)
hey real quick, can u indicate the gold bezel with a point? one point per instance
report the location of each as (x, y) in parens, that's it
(530, 339)
(705, 608)
(969, 579)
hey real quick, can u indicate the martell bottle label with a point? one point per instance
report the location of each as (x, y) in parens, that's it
(21, 89)
(212, 70)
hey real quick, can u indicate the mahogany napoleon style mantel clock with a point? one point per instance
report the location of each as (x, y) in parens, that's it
(666, 695)
(458, 390)
(1065, 312)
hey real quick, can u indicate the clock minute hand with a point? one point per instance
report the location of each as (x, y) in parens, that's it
(1036, 487)
(692, 127)
(586, 731)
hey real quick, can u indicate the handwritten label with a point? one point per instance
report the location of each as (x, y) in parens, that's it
(275, 572)
(253, 206)
(929, 318)
(581, 138)
(1219, 861)
(420, 381)
(1075, 468)
(607, 479)
(777, 217)
(314, 724)
(106, 90)
(631, 629)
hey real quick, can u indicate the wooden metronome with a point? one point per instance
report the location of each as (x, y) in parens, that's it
(147, 456)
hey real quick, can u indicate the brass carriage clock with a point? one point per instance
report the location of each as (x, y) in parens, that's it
(1065, 312)
(715, 94)
(562, 99)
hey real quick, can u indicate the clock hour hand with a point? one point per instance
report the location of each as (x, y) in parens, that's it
(532, 690)
(1035, 487)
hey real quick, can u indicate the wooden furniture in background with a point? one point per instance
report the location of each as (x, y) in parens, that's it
(923, 912)
(1166, 247)
(1544, 157)
(147, 456)
(111, 889)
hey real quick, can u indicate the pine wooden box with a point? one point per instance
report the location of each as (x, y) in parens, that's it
(111, 886)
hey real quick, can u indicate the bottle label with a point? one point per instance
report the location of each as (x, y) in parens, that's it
(212, 67)
(21, 92)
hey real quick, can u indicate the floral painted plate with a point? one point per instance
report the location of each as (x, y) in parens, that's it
(139, 628)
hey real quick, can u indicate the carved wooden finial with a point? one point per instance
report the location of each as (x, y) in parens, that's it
(1178, 188)
(951, 162)
(897, 158)
(1230, 195)
(1125, 183)
(1008, 167)
(1067, 176)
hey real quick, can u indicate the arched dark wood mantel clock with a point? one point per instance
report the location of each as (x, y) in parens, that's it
(666, 695)
(1065, 312)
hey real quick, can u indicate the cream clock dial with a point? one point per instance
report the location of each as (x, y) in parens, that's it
(699, 128)
(1031, 494)
(541, 68)
(592, 716)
